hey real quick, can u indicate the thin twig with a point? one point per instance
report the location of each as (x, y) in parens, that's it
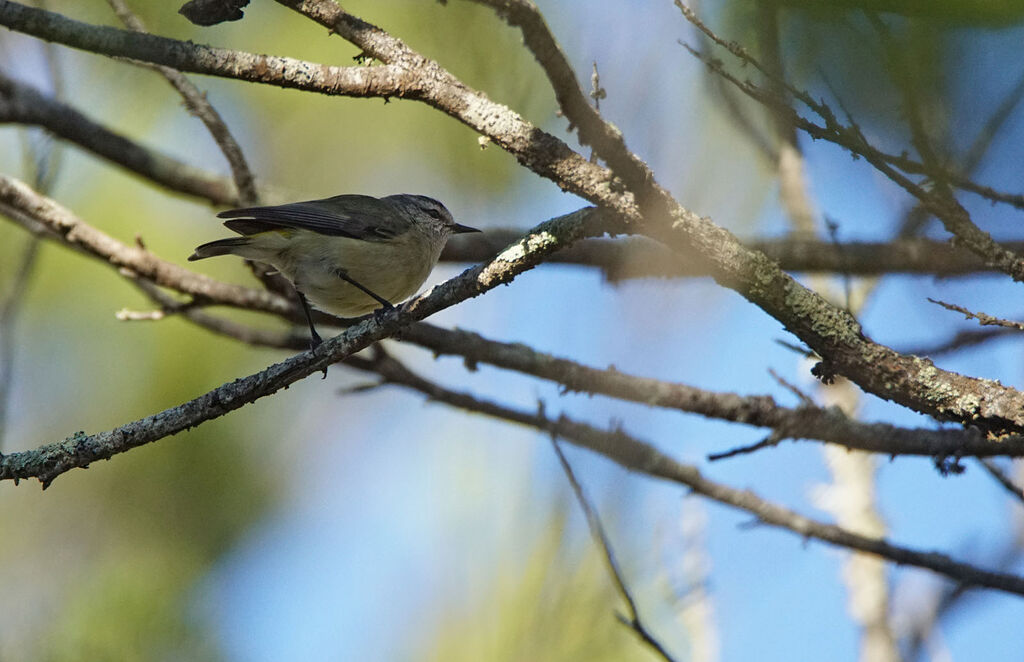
(938, 200)
(200, 106)
(1004, 480)
(983, 318)
(632, 619)
(767, 442)
(9, 308)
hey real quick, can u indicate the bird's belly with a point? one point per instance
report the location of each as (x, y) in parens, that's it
(371, 264)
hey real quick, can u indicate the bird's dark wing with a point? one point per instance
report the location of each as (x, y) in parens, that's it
(354, 216)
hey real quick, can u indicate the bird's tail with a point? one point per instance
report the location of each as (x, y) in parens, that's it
(219, 247)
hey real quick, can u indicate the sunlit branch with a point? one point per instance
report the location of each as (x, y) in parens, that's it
(34, 211)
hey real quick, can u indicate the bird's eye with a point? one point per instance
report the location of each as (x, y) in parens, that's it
(434, 214)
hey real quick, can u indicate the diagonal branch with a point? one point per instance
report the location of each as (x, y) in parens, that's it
(32, 211)
(607, 141)
(200, 106)
(20, 102)
(597, 531)
(762, 411)
(807, 422)
(641, 457)
(984, 319)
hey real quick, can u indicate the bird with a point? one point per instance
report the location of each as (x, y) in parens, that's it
(349, 254)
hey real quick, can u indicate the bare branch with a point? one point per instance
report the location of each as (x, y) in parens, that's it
(804, 422)
(592, 129)
(641, 457)
(294, 341)
(762, 411)
(22, 103)
(28, 208)
(200, 106)
(834, 334)
(938, 201)
(598, 533)
(983, 318)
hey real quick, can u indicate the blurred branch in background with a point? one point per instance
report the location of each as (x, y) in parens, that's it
(632, 618)
(23, 104)
(41, 159)
(11, 304)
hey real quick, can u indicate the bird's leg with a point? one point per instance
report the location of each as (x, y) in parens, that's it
(314, 338)
(348, 279)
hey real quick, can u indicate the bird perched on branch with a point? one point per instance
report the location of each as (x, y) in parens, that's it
(349, 255)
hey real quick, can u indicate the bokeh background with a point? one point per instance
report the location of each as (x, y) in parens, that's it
(325, 524)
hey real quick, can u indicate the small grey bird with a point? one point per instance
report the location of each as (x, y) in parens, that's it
(350, 254)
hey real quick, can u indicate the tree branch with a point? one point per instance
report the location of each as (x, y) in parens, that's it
(31, 210)
(22, 103)
(639, 456)
(200, 106)
(796, 423)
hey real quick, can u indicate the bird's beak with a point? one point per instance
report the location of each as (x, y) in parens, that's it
(459, 229)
